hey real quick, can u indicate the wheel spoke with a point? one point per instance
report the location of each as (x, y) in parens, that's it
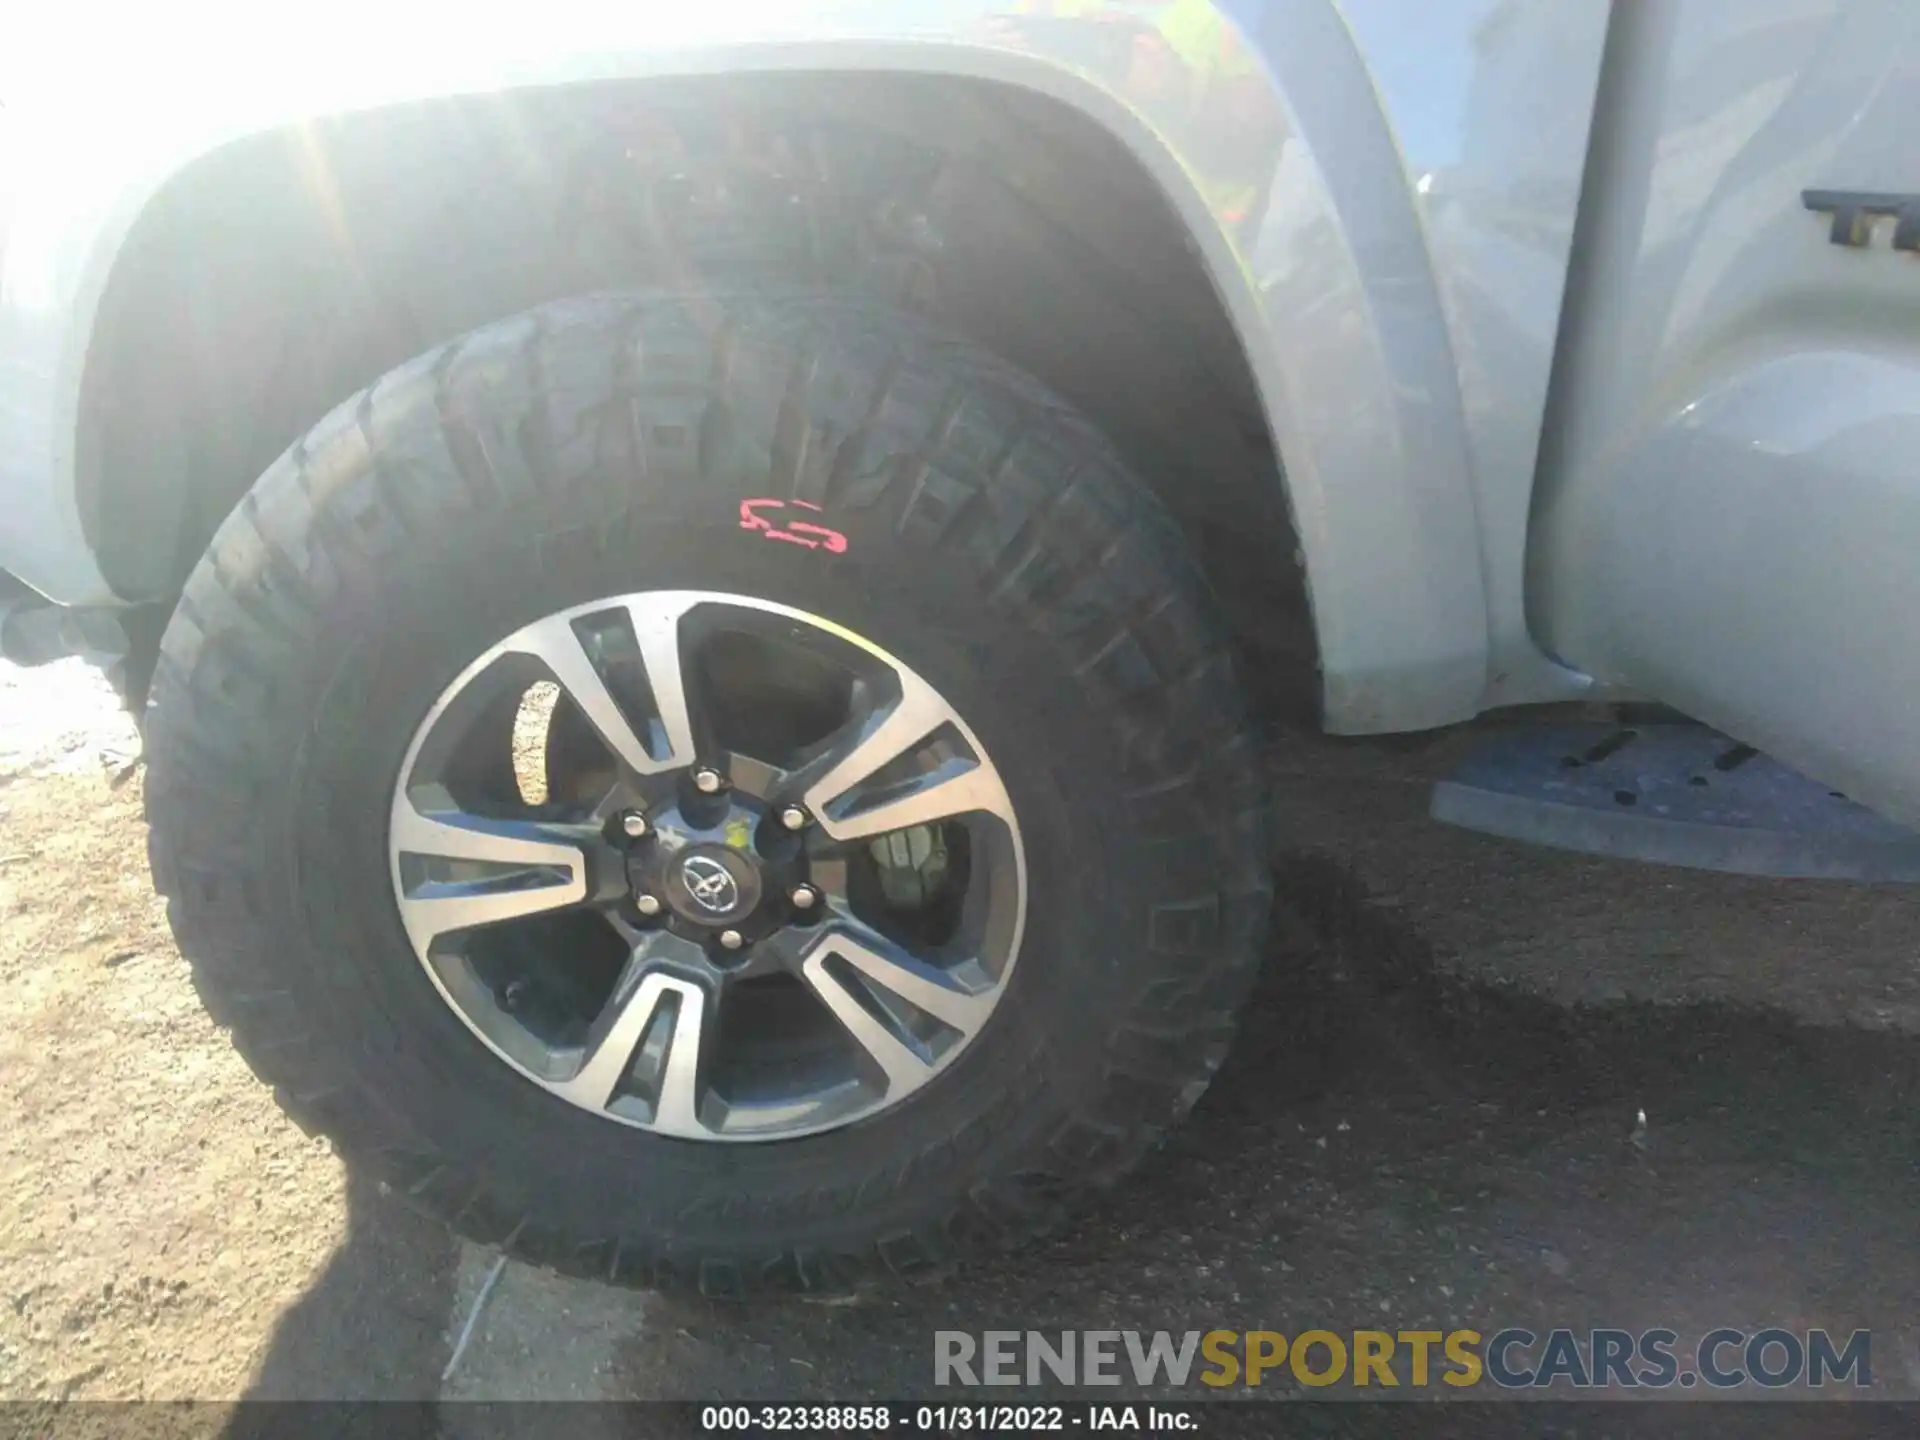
(658, 632)
(906, 1060)
(956, 786)
(453, 834)
(630, 1017)
(527, 869)
(657, 629)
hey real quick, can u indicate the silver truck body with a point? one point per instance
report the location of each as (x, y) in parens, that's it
(1720, 512)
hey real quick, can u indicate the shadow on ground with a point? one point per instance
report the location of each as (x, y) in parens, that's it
(1394, 1146)
(371, 1327)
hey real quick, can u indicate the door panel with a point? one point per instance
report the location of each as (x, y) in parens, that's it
(1730, 490)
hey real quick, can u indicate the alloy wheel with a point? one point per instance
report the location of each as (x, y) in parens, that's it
(707, 865)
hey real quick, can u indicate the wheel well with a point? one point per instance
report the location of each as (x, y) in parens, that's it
(273, 278)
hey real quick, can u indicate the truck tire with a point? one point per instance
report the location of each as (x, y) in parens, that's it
(900, 868)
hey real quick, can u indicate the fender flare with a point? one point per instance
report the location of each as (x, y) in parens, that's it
(1328, 285)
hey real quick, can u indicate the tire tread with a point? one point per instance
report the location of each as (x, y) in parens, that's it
(1062, 536)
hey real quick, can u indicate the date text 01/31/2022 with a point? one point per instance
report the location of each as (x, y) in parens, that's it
(947, 1419)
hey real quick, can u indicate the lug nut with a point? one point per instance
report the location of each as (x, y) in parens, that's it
(732, 939)
(647, 904)
(804, 897)
(634, 824)
(707, 780)
(794, 818)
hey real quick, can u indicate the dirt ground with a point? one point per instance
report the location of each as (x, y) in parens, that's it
(1431, 1118)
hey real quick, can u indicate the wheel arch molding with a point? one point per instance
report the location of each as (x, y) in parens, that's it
(1308, 242)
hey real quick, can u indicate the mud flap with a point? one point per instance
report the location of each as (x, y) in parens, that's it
(1674, 795)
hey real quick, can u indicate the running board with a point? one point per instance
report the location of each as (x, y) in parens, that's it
(1672, 795)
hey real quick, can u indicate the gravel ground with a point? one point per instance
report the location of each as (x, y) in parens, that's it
(1430, 1120)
